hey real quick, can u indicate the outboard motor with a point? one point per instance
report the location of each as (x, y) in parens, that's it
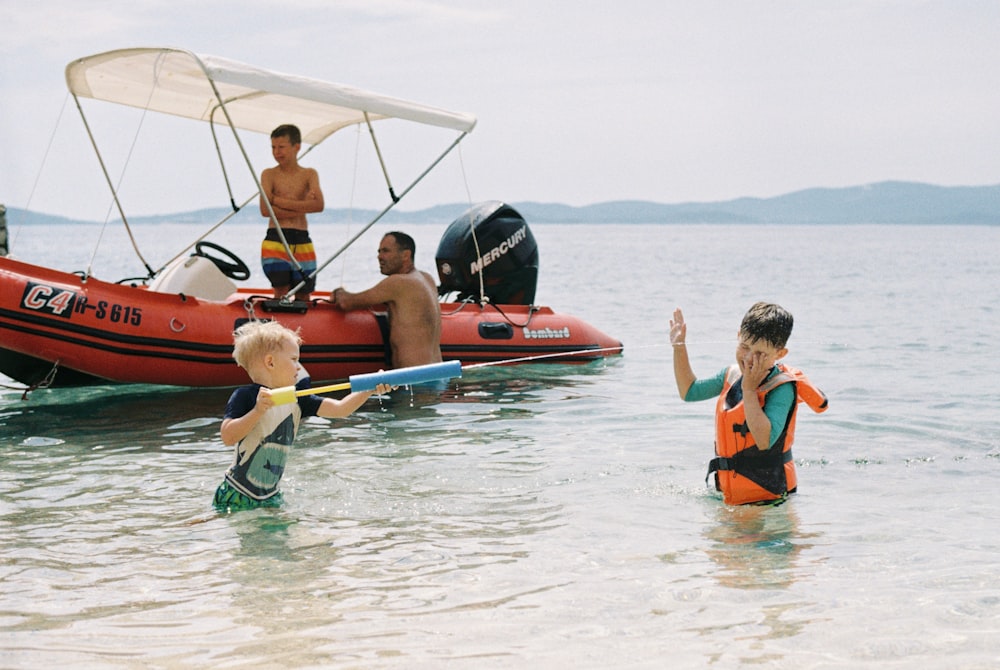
(507, 258)
(3, 230)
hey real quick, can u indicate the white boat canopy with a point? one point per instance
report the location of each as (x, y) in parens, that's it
(179, 82)
(244, 97)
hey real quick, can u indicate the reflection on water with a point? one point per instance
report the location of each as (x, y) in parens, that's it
(278, 590)
(756, 547)
(105, 416)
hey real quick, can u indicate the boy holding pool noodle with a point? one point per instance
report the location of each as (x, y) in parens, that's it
(263, 430)
(755, 409)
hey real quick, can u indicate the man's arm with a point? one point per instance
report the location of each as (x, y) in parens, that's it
(382, 293)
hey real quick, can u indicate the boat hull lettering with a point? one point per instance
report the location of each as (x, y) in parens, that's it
(65, 303)
(547, 333)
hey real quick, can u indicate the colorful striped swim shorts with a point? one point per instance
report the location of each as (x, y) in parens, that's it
(229, 499)
(279, 269)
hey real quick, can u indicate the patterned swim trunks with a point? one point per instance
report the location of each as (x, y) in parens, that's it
(229, 499)
(279, 269)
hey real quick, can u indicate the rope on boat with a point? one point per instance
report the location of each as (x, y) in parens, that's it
(114, 188)
(350, 201)
(45, 159)
(483, 298)
(248, 306)
(465, 177)
(563, 354)
(470, 300)
(44, 383)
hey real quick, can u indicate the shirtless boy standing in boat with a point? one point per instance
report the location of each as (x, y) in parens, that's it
(293, 192)
(411, 298)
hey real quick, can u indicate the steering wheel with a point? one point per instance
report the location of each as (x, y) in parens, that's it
(231, 265)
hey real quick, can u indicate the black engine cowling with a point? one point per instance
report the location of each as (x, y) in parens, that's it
(507, 257)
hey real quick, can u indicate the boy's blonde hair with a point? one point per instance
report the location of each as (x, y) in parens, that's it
(256, 339)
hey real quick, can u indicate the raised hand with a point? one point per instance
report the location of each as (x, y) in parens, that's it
(678, 329)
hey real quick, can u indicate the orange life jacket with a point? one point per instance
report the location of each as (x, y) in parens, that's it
(744, 473)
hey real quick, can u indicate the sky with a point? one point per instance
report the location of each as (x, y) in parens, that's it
(578, 102)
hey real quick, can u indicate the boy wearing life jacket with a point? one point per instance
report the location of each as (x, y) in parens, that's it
(755, 408)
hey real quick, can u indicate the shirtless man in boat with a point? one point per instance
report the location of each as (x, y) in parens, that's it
(411, 298)
(293, 191)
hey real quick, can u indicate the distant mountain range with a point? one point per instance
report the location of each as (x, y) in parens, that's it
(888, 202)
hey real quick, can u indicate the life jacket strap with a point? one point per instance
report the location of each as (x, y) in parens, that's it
(722, 463)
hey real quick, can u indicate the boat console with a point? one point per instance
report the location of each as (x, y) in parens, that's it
(195, 276)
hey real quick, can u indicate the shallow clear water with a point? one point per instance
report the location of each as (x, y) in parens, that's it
(548, 516)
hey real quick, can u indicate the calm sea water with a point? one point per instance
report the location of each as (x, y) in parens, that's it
(545, 516)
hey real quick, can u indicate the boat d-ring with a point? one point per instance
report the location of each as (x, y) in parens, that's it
(176, 325)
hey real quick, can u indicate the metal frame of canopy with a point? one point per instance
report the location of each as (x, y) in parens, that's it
(182, 83)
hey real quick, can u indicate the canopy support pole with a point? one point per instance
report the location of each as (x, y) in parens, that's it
(222, 163)
(379, 215)
(378, 152)
(111, 185)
